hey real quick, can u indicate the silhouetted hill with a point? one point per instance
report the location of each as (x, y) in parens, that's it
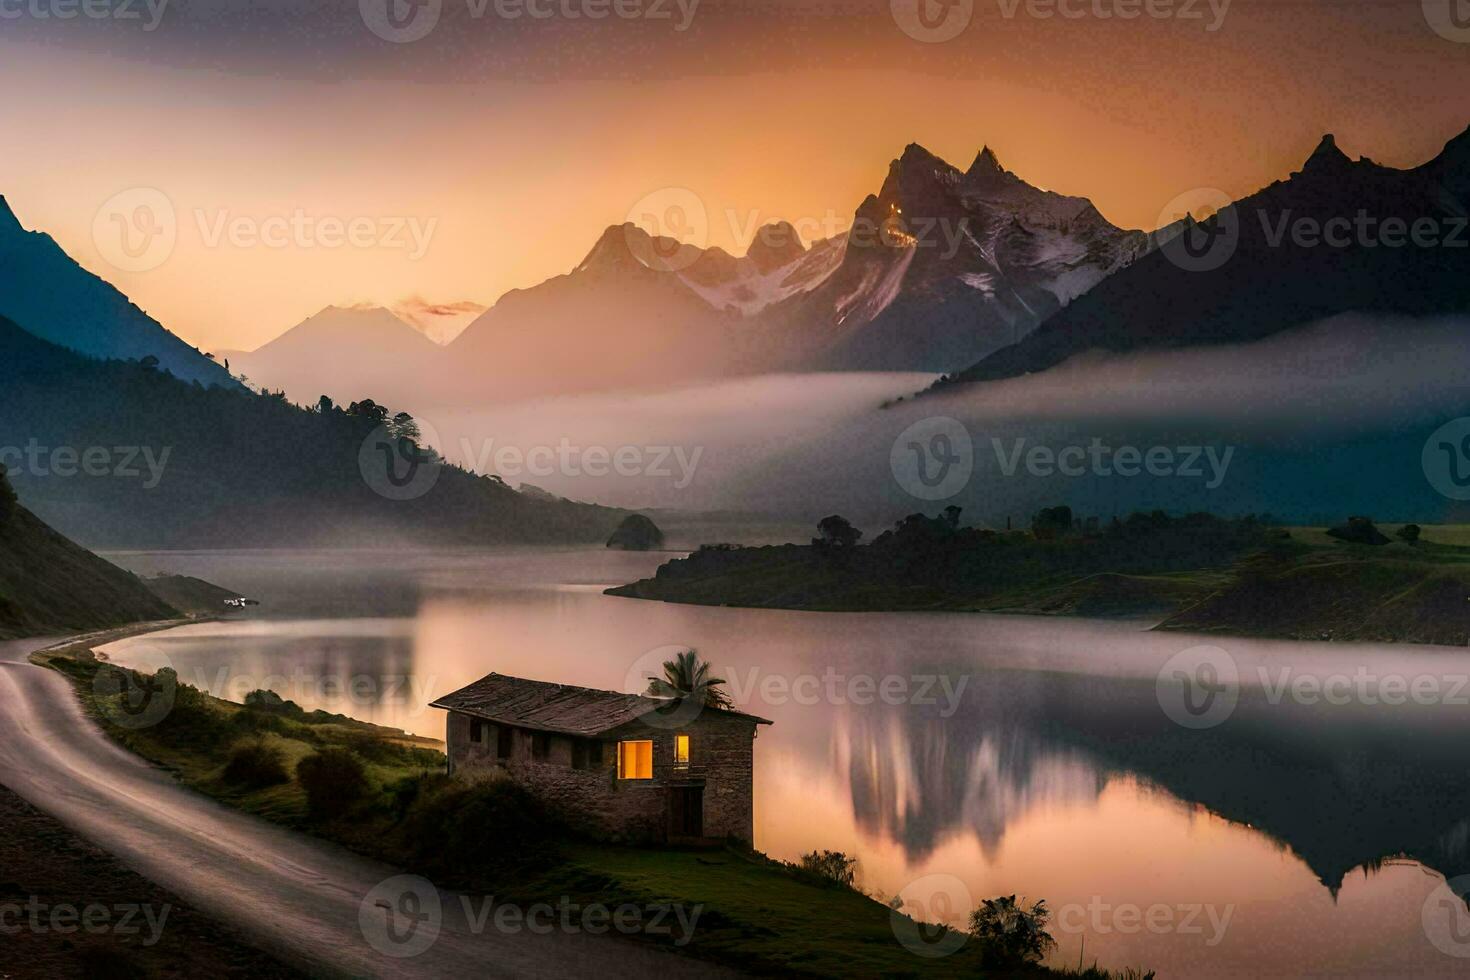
(44, 289)
(50, 585)
(178, 465)
(1335, 237)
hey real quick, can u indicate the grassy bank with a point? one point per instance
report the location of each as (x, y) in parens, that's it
(388, 799)
(1198, 573)
(1149, 564)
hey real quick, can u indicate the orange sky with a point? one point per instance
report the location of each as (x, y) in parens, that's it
(509, 148)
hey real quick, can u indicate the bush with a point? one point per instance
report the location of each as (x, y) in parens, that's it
(1359, 530)
(334, 779)
(256, 764)
(1011, 935)
(830, 867)
(1409, 533)
(468, 832)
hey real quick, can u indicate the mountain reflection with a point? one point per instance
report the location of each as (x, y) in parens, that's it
(1343, 787)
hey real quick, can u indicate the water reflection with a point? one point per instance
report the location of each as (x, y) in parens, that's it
(1322, 829)
(1344, 789)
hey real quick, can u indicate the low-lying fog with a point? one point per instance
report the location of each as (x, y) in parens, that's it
(1311, 425)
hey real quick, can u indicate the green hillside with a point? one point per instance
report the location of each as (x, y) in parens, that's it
(216, 467)
(50, 585)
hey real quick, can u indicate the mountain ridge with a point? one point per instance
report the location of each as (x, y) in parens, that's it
(46, 289)
(1273, 277)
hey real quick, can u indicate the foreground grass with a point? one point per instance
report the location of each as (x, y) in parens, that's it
(754, 913)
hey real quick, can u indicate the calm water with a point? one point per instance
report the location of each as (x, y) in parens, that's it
(959, 757)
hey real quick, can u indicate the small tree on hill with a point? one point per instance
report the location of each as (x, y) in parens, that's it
(837, 532)
(1010, 934)
(1409, 533)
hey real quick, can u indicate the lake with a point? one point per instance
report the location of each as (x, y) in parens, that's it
(1306, 825)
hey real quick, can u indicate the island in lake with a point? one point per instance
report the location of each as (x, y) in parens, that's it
(1244, 576)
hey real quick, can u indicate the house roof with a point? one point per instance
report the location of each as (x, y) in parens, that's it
(559, 708)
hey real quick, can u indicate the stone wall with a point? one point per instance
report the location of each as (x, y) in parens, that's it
(596, 801)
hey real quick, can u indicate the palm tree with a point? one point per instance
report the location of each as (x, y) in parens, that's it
(686, 676)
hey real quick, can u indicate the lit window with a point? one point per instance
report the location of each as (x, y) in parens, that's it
(635, 760)
(681, 750)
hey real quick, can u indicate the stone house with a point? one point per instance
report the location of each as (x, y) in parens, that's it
(617, 766)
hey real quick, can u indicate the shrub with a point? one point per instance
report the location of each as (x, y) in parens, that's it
(1011, 935)
(471, 831)
(830, 867)
(1359, 530)
(1409, 533)
(256, 764)
(334, 780)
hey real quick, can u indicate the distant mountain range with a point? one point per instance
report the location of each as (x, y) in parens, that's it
(43, 287)
(944, 266)
(1337, 236)
(940, 267)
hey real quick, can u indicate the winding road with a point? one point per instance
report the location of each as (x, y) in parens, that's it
(313, 904)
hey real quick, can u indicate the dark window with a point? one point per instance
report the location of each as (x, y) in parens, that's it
(477, 730)
(503, 743)
(540, 745)
(594, 755)
(579, 754)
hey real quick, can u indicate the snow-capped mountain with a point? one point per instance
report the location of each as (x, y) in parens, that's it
(440, 322)
(943, 266)
(48, 294)
(1316, 245)
(776, 267)
(638, 310)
